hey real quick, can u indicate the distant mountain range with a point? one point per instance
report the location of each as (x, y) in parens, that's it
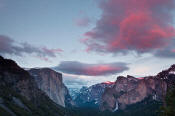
(89, 95)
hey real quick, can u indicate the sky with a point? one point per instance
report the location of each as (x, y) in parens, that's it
(89, 41)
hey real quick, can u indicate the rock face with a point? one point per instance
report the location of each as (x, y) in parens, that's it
(130, 90)
(168, 76)
(91, 96)
(51, 83)
(20, 95)
(11, 75)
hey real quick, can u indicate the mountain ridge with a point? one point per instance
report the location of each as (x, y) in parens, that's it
(19, 94)
(130, 90)
(126, 91)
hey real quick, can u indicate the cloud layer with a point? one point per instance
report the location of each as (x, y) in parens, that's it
(132, 25)
(167, 52)
(78, 68)
(74, 81)
(9, 46)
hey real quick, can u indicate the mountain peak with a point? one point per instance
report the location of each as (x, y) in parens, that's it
(7, 65)
(172, 68)
(1, 58)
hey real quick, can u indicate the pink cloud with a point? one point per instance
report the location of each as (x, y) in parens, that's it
(52, 52)
(43, 58)
(173, 50)
(132, 25)
(108, 82)
(78, 68)
(100, 69)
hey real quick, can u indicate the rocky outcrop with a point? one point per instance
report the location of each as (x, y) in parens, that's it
(20, 95)
(51, 83)
(11, 75)
(130, 90)
(168, 76)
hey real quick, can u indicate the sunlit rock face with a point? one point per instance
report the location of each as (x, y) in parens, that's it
(130, 90)
(51, 83)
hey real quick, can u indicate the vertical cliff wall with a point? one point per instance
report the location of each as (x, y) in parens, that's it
(51, 83)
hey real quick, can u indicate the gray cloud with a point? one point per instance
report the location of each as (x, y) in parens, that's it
(9, 46)
(74, 82)
(78, 68)
(167, 52)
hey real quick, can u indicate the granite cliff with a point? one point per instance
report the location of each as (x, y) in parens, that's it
(51, 83)
(130, 90)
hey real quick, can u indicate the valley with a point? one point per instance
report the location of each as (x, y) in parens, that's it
(42, 92)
